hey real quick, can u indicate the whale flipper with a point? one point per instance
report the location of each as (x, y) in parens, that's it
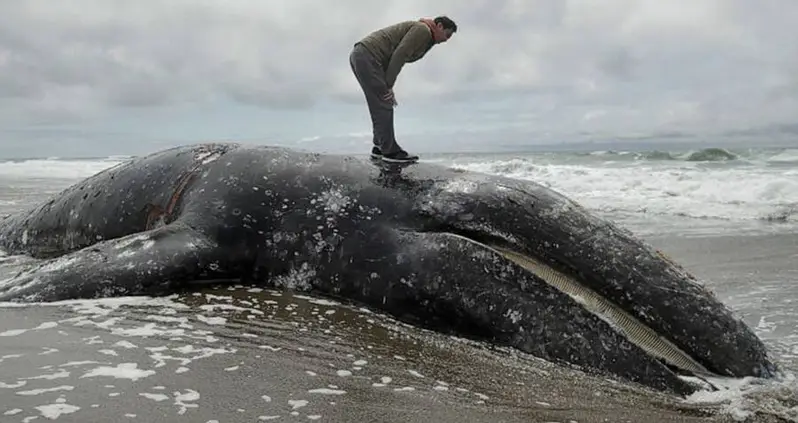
(144, 263)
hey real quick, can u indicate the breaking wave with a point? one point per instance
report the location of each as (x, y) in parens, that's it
(710, 154)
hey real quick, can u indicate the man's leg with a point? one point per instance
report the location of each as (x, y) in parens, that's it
(372, 81)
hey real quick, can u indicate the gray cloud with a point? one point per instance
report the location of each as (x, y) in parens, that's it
(576, 65)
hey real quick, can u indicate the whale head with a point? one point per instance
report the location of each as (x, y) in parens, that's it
(642, 294)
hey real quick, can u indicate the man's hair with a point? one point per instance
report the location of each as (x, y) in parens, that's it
(446, 23)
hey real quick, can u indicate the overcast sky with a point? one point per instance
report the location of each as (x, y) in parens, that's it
(120, 76)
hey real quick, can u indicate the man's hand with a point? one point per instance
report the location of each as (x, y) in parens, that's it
(390, 97)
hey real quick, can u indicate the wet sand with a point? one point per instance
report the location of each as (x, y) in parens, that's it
(238, 356)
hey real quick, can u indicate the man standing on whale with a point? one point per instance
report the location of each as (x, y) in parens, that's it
(376, 61)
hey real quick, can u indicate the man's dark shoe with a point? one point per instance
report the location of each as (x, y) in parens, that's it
(376, 153)
(400, 156)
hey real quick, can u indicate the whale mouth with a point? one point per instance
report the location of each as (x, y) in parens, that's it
(637, 332)
(620, 320)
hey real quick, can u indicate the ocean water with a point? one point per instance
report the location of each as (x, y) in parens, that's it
(728, 215)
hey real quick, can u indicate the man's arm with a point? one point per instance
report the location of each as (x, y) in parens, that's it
(417, 37)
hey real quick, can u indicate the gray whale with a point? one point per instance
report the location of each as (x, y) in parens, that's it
(488, 257)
